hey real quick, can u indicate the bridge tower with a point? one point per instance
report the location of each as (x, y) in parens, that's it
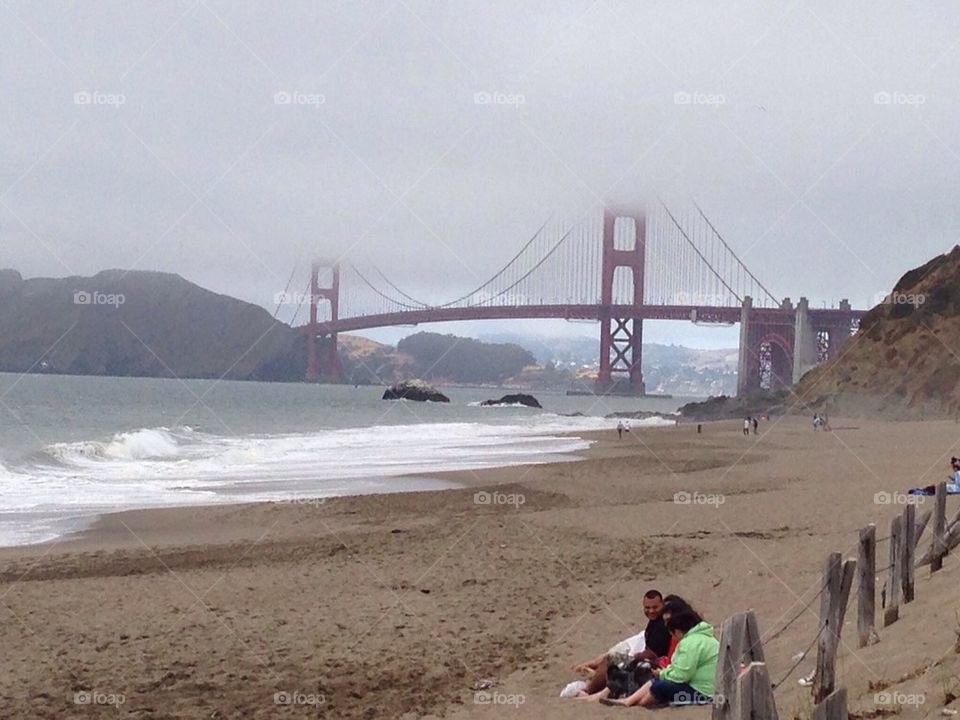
(767, 347)
(323, 358)
(621, 333)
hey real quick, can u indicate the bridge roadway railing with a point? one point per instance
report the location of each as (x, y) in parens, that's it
(574, 312)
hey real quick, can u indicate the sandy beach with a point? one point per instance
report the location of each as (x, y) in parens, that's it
(408, 605)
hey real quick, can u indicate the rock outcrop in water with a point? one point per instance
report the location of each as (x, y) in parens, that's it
(416, 390)
(517, 399)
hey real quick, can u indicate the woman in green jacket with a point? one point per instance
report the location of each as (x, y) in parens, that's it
(688, 679)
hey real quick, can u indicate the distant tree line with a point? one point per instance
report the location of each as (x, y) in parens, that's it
(463, 360)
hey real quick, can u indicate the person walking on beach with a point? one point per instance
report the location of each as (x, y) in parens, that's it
(620, 429)
(746, 426)
(756, 426)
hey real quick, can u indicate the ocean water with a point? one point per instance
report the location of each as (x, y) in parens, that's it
(72, 448)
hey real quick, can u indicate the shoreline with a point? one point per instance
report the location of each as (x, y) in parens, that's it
(108, 530)
(537, 446)
(287, 597)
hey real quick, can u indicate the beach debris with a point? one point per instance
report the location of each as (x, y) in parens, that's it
(516, 399)
(484, 684)
(416, 390)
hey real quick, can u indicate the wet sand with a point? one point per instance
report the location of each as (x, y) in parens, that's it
(403, 606)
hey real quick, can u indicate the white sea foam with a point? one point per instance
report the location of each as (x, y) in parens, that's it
(156, 467)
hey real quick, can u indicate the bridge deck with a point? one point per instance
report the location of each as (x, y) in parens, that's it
(579, 312)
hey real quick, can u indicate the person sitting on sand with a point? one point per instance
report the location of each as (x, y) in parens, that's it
(953, 482)
(689, 678)
(656, 639)
(672, 604)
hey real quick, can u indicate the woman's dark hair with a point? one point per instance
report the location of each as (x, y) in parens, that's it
(684, 621)
(675, 603)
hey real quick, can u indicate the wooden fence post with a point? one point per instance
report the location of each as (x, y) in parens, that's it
(755, 694)
(891, 612)
(867, 586)
(739, 643)
(907, 551)
(837, 579)
(922, 523)
(834, 707)
(938, 547)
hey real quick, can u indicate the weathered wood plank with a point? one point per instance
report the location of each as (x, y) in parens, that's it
(755, 694)
(891, 612)
(740, 642)
(922, 523)
(867, 586)
(938, 544)
(907, 546)
(833, 707)
(825, 678)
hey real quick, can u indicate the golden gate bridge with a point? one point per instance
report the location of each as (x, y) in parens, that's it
(619, 268)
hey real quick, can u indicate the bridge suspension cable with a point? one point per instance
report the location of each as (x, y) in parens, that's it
(688, 263)
(732, 252)
(699, 253)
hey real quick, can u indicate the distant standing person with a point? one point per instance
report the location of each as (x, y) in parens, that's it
(620, 429)
(756, 426)
(746, 426)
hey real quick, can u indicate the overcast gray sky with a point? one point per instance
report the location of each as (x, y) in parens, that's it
(821, 139)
